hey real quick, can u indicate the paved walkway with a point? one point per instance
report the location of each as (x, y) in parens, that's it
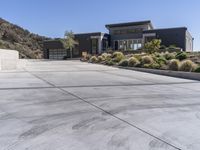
(69, 105)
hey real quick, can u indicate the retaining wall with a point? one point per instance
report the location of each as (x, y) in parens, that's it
(8, 59)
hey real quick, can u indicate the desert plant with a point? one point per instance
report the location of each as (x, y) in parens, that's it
(169, 56)
(163, 47)
(123, 63)
(100, 59)
(147, 65)
(138, 56)
(197, 69)
(105, 55)
(153, 45)
(118, 56)
(69, 41)
(133, 62)
(109, 63)
(147, 60)
(161, 60)
(174, 65)
(88, 56)
(154, 66)
(182, 55)
(93, 59)
(188, 66)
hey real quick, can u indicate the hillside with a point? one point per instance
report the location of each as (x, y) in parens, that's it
(14, 37)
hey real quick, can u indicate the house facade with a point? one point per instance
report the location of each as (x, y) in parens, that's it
(122, 36)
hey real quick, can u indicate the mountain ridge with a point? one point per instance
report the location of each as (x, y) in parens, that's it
(14, 37)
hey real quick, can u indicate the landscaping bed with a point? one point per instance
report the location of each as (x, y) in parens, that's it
(174, 63)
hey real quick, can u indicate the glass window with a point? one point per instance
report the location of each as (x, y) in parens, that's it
(121, 45)
(130, 44)
(139, 45)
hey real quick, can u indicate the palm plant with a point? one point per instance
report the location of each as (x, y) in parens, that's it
(69, 41)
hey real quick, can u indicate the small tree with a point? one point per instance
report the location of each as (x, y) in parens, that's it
(69, 41)
(153, 45)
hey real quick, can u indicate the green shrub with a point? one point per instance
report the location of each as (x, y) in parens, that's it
(188, 66)
(161, 60)
(123, 63)
(88, 56)
(197, 69)
(155, 66)
(163, 47)
(118, 56)
(163, 67)
(182, 55)
(147, 60)
(105, 55)
(147, 65)
(138, 56)
(110, 63)
(169, 56)
(133, 62)
(93, 59)
(100, 59)
(153, 45)
(174, 65)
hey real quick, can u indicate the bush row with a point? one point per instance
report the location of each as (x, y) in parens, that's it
(165, 61)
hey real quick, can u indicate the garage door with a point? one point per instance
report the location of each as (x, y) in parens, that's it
(58, 54)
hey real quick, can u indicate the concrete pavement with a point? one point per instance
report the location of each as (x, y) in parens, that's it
(70, 105)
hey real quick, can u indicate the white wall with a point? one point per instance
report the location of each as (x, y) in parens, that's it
(8, 59)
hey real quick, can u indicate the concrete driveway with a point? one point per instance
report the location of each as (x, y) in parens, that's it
(69, 105)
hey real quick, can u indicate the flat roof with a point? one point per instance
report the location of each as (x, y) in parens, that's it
(129, 24)
(175, 28)
(90, 33)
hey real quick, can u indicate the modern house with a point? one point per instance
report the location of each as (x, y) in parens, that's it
(122, 36)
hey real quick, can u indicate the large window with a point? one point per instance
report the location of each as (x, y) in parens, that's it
(127, 31)
(129, 44)
(121, 45)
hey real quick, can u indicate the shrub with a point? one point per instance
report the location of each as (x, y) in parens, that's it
(153, 45)
(163, 47)
(93, 59)
(147, 65)
(188, 66)
(161, 60)
(174, 65)
(138, 56)
(182, 55)
(118, 56)
(100, 59)
(105, 55)
(197, 69)
(123, 63)
(88, 56)
(133, 62)
(147, 60)
(110, 63)
(155, 66)
(169, 56)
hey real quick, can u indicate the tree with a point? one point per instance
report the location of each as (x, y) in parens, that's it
(153, 45)
(69, 41)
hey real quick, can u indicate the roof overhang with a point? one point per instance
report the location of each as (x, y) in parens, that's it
(108, 26)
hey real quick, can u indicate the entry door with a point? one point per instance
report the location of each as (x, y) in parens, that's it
(94, 46)
(116, 45)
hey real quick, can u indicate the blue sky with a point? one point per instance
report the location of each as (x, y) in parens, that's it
(53, 17)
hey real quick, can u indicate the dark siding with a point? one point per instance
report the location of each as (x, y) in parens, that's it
(51, 44)
(173, 36)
